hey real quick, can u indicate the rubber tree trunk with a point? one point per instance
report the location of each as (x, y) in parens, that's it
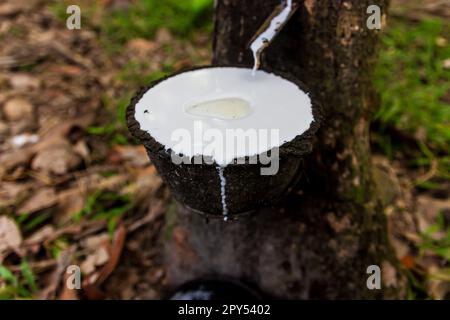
(319, 243)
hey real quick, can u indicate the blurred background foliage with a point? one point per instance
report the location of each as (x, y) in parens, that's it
(413, 79)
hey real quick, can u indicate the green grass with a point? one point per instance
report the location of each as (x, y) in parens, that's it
(141, 19)
(146, 16)
(105, 206)
(114, 131)
(413, 82)
(29, 222)
(437, 239)
(21, 286)
(415, 90)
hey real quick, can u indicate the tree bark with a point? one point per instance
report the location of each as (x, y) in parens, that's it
(320, 241)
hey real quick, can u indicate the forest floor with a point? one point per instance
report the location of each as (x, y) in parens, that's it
(76, 189)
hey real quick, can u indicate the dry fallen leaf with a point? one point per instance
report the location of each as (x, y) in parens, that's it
(155, 211)
(10, 236)
(146, 183)
(66, 292)
(67, 70)
(82, 149)
(70, 202)
(389, 275)
(135, 155)
(91, 283)
(9, 9)
(58, 278)
(14, 159)
(40, 235)
(12, 190)
(428, 209)
(141, 48)
(42, 199)
(408, 261)
(96, 259)
(93, 242)
(58, 159)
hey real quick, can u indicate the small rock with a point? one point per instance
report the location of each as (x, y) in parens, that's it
(56, 159)
(17, 109)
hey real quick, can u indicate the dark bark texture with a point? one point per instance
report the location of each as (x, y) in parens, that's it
(319, 243)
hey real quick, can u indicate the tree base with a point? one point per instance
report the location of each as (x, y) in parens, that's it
(307, 249)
